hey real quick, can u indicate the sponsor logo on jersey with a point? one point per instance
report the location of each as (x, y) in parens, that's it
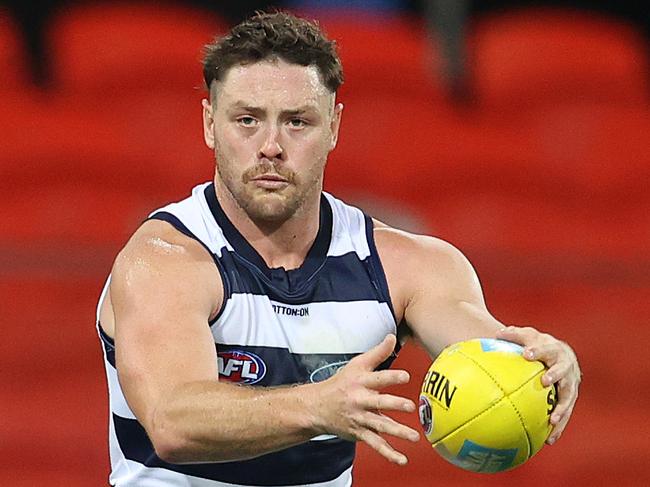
(288, 311)
(326, 371)
(242, 367)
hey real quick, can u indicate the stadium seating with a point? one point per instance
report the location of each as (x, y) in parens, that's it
(385, 56)
(449, 151)
(50, 363)
(599, 147)
(567, 176)
(120, 158)
(110, 48)
(524, 58)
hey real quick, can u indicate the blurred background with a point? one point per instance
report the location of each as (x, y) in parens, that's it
(518, 131)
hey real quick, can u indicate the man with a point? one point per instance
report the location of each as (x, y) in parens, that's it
(262, 279)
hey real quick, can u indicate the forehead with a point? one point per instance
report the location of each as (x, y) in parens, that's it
(273, 82)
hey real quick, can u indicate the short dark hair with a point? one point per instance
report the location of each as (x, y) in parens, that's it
(274, 35)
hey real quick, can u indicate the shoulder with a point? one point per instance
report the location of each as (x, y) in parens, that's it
(158, 241)
(412, 250)
(414, 263)
(158, 259)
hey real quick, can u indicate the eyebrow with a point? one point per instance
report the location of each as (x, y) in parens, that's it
(242, 105)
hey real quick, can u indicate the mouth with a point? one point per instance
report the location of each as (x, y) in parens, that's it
(270, 181)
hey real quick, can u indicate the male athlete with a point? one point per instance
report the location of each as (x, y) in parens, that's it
(248, 329)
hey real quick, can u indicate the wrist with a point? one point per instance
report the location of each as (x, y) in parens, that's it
(309, 398)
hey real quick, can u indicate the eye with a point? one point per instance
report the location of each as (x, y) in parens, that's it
(246, 121)
(297, 123)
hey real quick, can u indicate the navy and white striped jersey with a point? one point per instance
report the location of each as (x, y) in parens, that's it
(275, 327)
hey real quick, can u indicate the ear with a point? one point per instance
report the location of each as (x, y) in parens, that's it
(335, 125)
(208, 124)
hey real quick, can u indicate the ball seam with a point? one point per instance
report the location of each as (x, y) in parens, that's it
(521, 419)
(507, 396)
(493, 405)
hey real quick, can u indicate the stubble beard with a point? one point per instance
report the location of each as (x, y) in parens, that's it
(268, 207)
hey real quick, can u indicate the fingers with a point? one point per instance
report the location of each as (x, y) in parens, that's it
(385, 378)
(568, 394)
(536, 344)
(516, 334)
(558, 429)
(375, 356)
(563, 404)
(377, 424)
(387, 402)
(563, 370)
(386, 425)
(542, 347)
(558, 371)
(566, 374)
(379, 444)
(369, 425)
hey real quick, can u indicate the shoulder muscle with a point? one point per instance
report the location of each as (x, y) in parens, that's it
(160, 266)
(416, 264)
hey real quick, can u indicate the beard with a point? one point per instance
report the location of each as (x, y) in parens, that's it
(269, 206)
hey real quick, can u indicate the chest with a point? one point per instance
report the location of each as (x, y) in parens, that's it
(264, 341)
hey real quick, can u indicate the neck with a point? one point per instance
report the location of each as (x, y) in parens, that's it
(280, 243)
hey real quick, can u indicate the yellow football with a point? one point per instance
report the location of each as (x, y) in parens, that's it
(483, 406)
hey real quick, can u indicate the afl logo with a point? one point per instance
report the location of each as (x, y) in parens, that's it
(242, 367)
(426, 415)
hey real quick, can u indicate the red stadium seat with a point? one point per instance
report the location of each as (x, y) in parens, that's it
(52, 363)
(563, 179)
(389, 56)
(135, 47)
(419, 152)
(579, 232)
(14, 75)
(88, 220)
(131, 141)
(597, 148)
(580, 193)
(69, 175)
(530, 57)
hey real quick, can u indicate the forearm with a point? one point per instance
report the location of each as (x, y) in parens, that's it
(216, 421)
(454, 321)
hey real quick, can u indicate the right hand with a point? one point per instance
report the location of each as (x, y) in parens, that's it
(352, 405)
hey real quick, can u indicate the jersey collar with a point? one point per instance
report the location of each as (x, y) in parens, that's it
(278, 276)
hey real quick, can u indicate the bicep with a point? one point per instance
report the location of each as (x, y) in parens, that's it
(447, 305)
(162, 299)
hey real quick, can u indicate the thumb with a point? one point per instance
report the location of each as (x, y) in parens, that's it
(378, 354)
(515, 334)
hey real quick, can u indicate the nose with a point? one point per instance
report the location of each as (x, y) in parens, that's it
(271, 147)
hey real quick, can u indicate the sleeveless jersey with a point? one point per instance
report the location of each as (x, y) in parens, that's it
(275, 327)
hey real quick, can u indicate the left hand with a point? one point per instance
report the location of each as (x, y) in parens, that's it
(563, 370)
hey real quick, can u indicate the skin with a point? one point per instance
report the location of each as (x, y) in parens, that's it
(272, 125)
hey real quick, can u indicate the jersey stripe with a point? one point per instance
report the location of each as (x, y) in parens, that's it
(311, 462)
(133, 474)
(342, 327)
